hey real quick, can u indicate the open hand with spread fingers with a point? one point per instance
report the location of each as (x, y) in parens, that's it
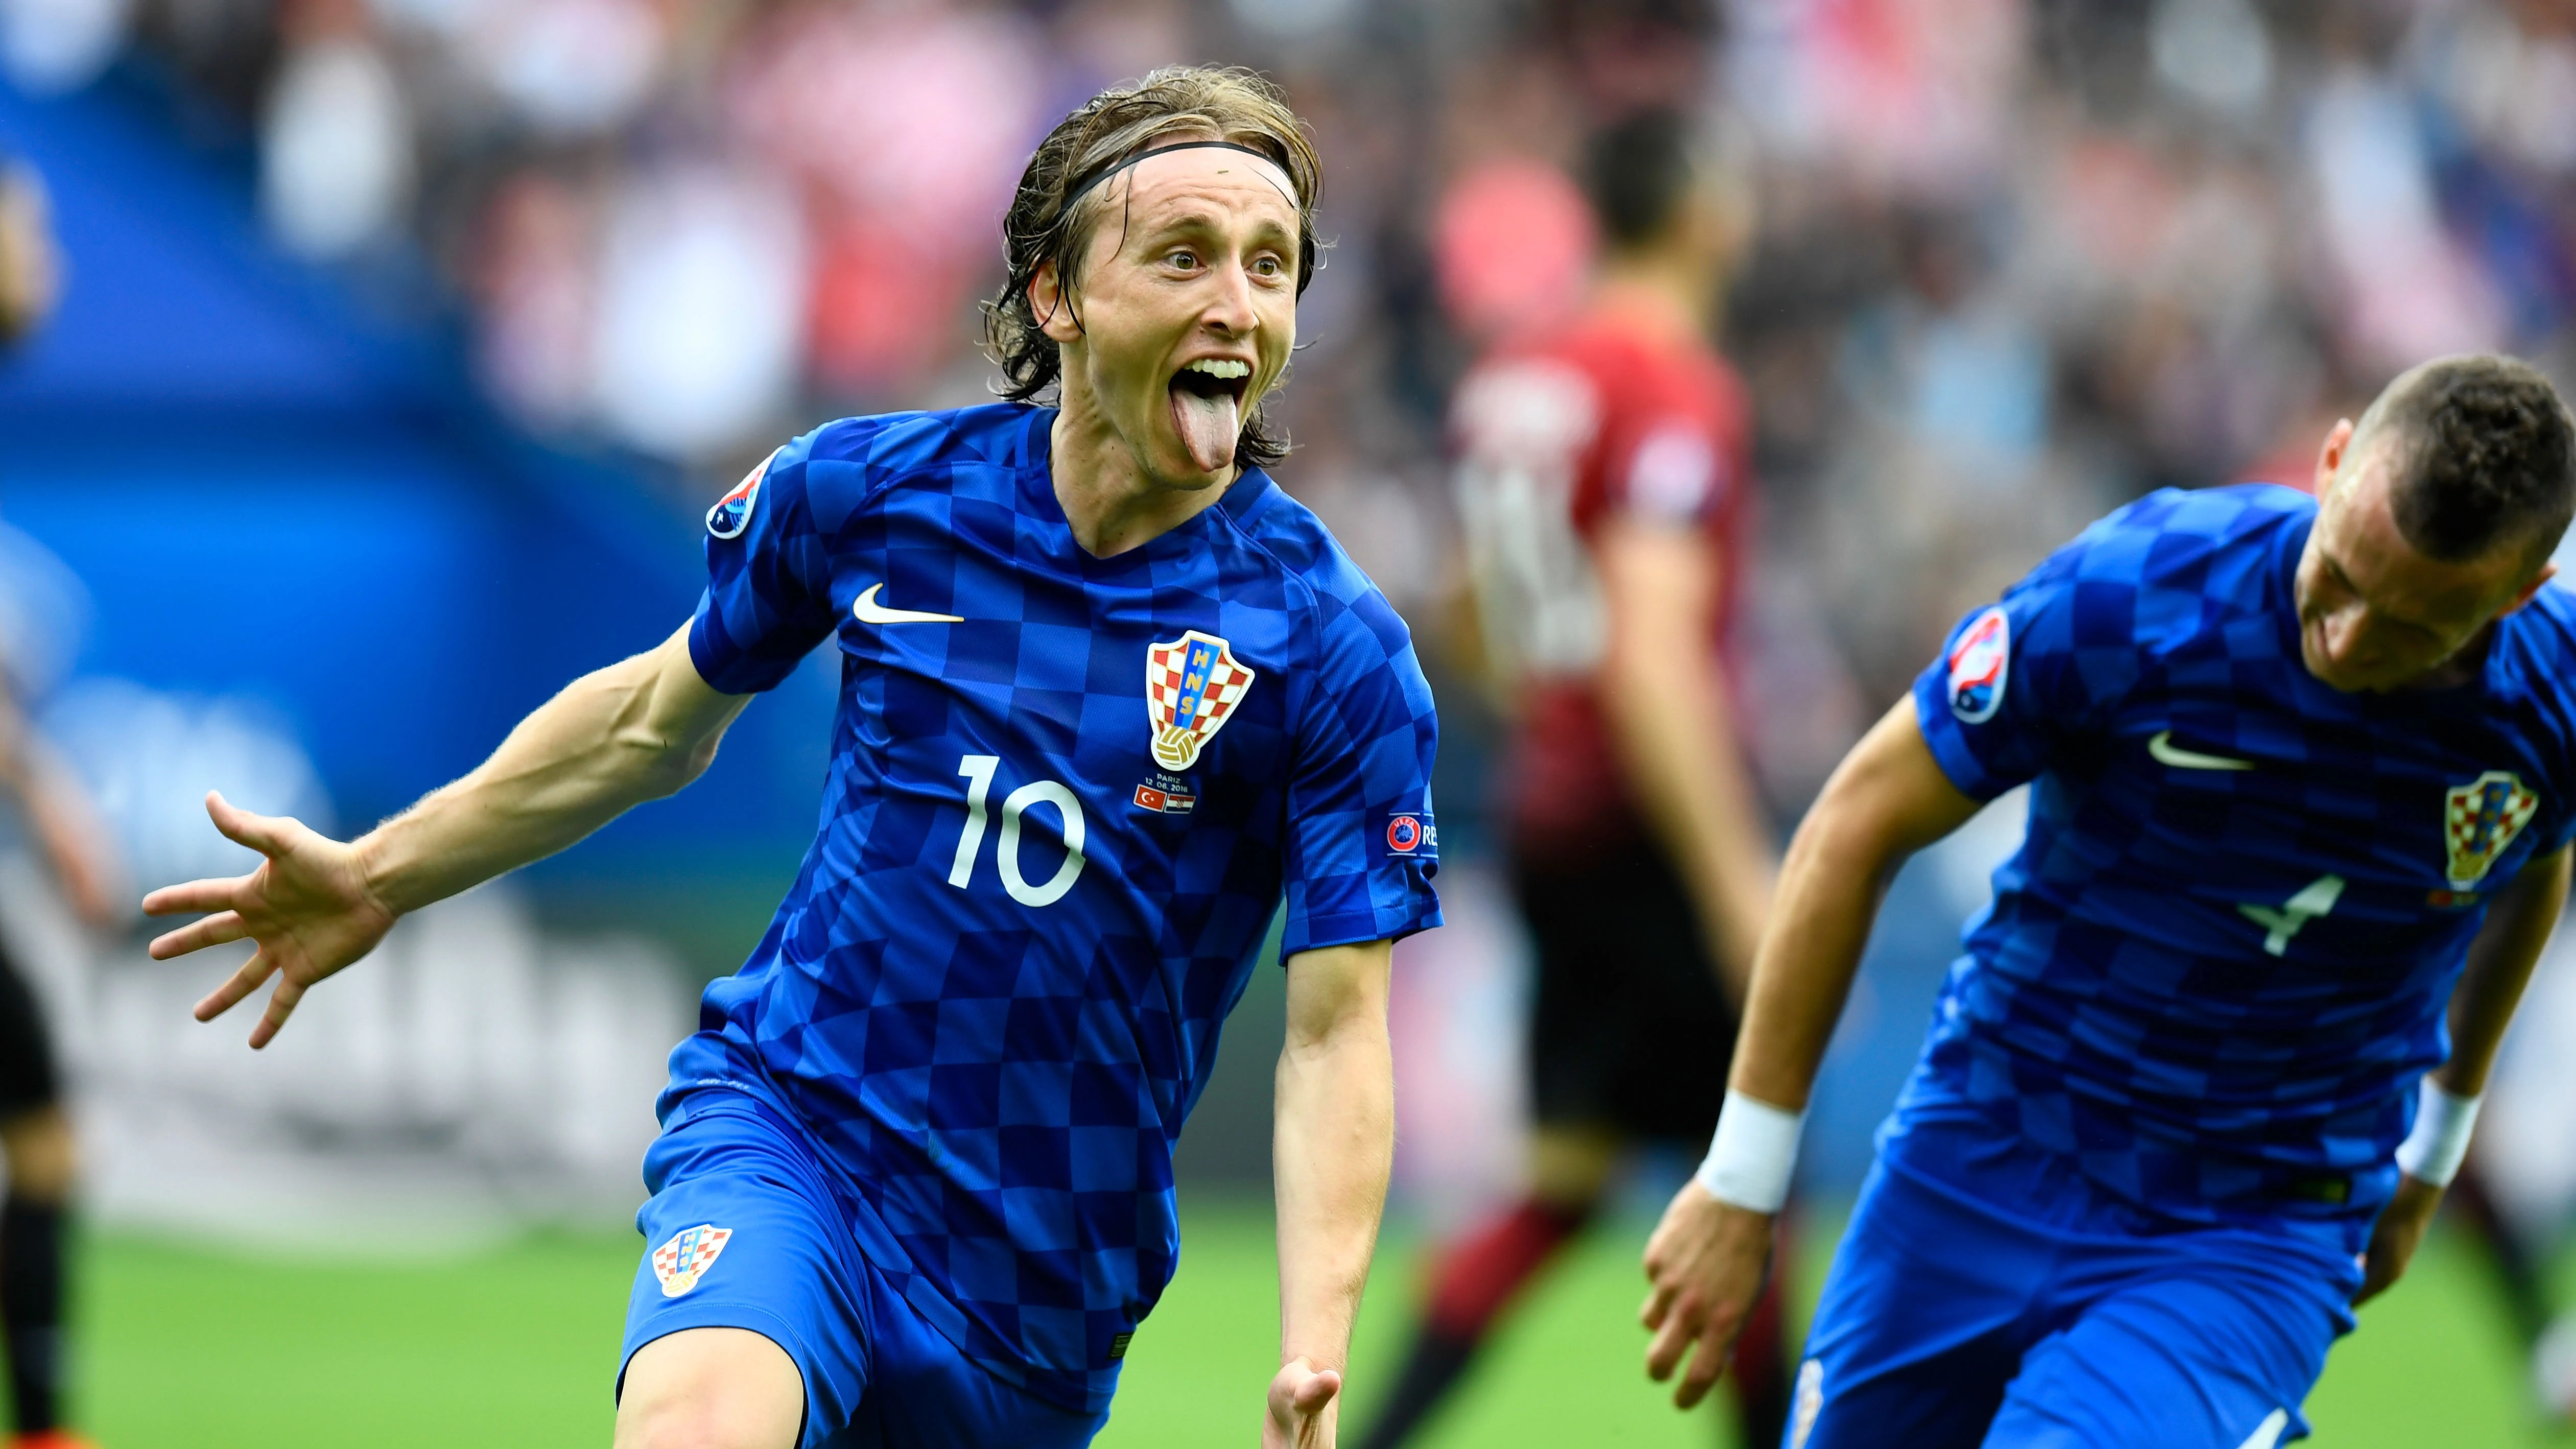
(308, 907)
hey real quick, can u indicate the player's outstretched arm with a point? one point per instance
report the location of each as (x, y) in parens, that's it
(1332, 1145)
(2501, 959)
(635, 731)
(1888, 799)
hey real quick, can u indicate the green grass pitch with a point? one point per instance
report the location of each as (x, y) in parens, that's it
(185, 1348)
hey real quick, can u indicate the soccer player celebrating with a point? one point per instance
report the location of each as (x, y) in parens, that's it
(1106, 692)
(1600, 478)
(2301, 796)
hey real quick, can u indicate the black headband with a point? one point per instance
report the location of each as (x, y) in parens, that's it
(1105, 172)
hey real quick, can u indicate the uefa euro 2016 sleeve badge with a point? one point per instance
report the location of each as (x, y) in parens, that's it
(1978, 663)
(732, 513)
(1192, 685)
(681, 1262)
(2480, 820)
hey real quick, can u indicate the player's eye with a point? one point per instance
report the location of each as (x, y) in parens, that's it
(1267, 267)
(1183, 260)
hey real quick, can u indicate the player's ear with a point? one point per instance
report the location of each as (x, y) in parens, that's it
(2547, 572)
(2330, 457)
(1051, 304)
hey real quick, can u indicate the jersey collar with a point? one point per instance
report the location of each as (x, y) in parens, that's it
(1243, 500)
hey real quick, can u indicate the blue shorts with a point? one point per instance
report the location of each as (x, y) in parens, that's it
(747, 1226)
(1987, 1293)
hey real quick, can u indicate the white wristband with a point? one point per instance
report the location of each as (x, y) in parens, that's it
(1750, 1159)
(2432, 1152)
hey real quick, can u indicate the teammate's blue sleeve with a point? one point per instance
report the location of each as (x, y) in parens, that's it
(2553, 609)
(1362, 844)
(768, 600)
(2022, 680)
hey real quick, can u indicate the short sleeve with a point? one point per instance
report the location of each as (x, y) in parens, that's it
(1676, 471)
(2557, 836)
(768, 599)
(1362, 842)
(2019, 682)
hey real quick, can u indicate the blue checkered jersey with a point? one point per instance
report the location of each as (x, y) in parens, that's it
(2221, 959)
(1067, 797)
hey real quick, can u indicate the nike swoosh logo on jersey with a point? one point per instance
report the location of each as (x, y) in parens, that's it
(2169, 753)
(869, 611)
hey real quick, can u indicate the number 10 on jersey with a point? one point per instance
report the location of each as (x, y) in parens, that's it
(979, 770)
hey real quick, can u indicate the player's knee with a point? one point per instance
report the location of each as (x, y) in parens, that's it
(710, 1388)
(1570, 1167)
(42, 1159)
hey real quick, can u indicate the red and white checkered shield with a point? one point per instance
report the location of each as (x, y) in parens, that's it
(2480, 819)
(1192, 685)
(681, 1262)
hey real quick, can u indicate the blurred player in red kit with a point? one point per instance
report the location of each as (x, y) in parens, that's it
(1602, 482)
(35, 1133)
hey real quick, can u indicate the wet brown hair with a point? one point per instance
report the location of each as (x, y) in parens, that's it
(1175, 103)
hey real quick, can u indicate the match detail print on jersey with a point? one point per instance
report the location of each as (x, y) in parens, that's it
(1192, 685)
(2314, 899)
(867, 610)
(1979, 665)
(2480, 820)
(2167, 752)
(681, 1262)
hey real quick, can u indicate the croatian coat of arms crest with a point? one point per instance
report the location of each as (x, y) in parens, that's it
(1192, 685)
(681, 1262)
(2480, 819)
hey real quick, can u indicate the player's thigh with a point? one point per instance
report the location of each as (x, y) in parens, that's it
(710, 1388)
(1628, 1032)
(29, 1078)
(2204, 1360)
(1575, 1004)
(1681, 1031)
(1921, 1324)
(743, 1233)
(924, 1394)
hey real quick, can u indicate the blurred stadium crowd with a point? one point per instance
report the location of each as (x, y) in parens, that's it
(2008, 263)
(2014, 260)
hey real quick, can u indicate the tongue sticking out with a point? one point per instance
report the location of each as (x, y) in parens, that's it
(1207, 424)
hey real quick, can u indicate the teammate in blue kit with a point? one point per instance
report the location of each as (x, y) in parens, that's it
(1107, 694)
(2303, 778)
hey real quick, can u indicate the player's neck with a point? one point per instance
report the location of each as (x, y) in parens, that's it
(2462, 668)
(1110, 499)
(1656, 295)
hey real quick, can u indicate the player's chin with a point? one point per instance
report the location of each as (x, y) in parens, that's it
(1172, 466)
(2333, 676)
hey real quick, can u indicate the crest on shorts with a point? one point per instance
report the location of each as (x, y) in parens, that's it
(1192, 685)
(1977, 666)
(681, 1262)
(2480, 820)
(1810, 1403)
